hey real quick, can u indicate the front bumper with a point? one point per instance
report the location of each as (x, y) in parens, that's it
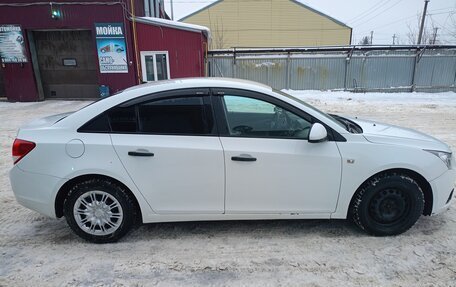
(35, 191)
(441, 189)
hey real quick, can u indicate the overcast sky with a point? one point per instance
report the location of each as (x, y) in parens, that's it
(384, 17)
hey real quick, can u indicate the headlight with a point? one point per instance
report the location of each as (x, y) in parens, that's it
(444, 156)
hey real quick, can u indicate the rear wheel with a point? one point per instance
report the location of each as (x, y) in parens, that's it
(99, 210)
(388, 204)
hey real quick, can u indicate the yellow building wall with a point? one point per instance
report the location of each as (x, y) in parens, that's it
(268, 23)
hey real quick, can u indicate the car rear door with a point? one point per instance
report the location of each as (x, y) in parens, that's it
(270, 165)
(170, 148)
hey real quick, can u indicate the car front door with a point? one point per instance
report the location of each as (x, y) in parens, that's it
(270, 165)
(170, 148)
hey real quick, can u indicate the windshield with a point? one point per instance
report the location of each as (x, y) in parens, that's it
(323, 114)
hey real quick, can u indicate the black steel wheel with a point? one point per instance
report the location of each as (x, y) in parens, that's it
(388, 204)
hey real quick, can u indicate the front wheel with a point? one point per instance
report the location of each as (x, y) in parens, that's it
(388, 204)
(99, 210)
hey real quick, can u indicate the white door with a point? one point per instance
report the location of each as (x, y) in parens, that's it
(270, 165)
(154, 66)
(170, 149)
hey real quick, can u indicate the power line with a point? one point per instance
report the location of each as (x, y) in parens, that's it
(379, 13)
(406, 18)
(441, 26)
(390, 23)
(369, 11)
(361, 14)
(384, 37)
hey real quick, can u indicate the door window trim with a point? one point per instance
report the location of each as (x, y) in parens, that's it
(208, 113)
(222, 124)
(180, 93)
(213, 98)
(143, 55)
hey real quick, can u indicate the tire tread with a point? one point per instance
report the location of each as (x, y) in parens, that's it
(130, 214)
(359, 195)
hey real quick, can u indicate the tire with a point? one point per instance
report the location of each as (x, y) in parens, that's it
(387, 204)
(99, 210)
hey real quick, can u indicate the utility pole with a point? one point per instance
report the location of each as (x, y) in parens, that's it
(372, 36)
(394, 39)
(172, 10)
(435, 35)
(420, 34)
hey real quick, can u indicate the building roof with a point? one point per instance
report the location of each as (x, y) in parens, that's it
(294, 1)
(174, 24)
(320, 13)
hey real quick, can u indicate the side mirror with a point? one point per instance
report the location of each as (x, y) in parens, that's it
(318, 133)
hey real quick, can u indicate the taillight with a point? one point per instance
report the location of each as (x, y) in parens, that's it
(21, 148)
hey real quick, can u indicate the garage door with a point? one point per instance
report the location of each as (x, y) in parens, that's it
(67, 64)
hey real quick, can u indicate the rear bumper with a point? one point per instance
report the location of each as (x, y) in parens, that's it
(442, 188)
(34, 191)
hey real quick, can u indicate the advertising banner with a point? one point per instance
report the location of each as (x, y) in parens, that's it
(111, 48)
(12, 46)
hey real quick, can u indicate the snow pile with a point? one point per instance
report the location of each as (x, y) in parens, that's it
(447, 98)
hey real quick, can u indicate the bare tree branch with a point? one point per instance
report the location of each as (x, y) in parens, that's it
(412, 34)
(219, 34)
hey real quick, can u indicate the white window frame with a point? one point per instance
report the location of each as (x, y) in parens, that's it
(143, 64)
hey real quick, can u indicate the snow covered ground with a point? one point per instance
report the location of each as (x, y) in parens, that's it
(38, 251)
(447, 98)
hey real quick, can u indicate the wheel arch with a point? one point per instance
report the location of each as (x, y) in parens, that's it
(422, 182)
(65, 188)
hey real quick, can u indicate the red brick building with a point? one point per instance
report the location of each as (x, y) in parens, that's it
(68, 49)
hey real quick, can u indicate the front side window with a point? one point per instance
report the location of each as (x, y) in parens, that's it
(249, 117)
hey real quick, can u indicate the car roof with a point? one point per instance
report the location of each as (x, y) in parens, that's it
(131, 93)
(83, 115)
(198, 83)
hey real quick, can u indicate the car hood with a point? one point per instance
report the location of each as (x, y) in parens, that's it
(382, 133)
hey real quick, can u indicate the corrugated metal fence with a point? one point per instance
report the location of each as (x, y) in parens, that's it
(404, 68)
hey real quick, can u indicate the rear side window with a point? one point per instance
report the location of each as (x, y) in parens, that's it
(123, 119)
(185, 115)
(98, 124)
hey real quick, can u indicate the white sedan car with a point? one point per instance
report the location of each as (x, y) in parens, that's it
(221, 149)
